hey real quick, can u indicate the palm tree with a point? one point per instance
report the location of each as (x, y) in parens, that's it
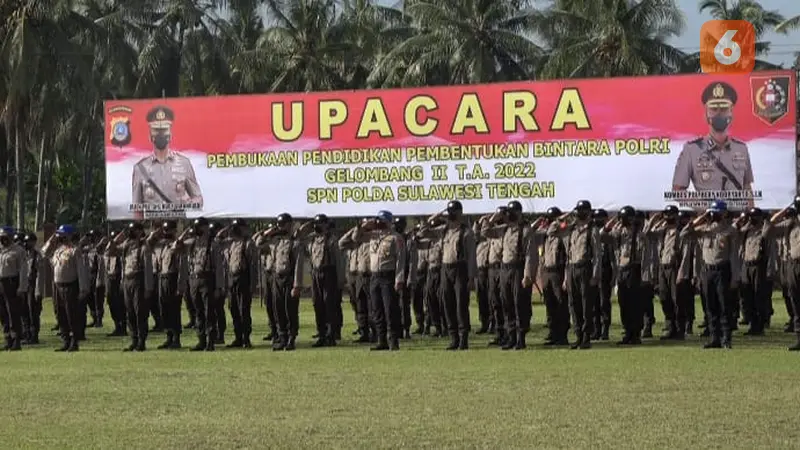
(763, 20)
(468, 41)
(606, 38)
(791, 23)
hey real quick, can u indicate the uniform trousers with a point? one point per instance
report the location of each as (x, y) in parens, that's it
(482, 293)
(11, 307)
(33, 306)
(673, 304)
(269, 302)
(516, 299)
(116, 304)
(717, 287)
(385, 305)
(220, 316)
(494, 287)
(404, 297)
(287, 307)
(581, 298)
(602, 304)
(629, 288)
(240, 304)
(187, 299)
(556, 301)
(455, 293)
(352, 286)
(170, 303)
(137, 305)
(68, 309)
(202, 288)
(433, 287)
(326, 296)
(363, 308)
(155, 307)
(756, 292)
(418, 298)
(794, 291)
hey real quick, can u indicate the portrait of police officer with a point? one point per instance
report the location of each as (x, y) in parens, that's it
(165, 176)
(716, 161)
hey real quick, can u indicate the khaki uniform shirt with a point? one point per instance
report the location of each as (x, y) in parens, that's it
(136, 259)
(696, 165)
(203, 256)
(458, 245)
(321, 252)
(717, 243)
(387, 251)
(37, 265)
(482, 244)
(285, 251)
(517, 250)
(554, 252)
(171, 181)
(584, 246)
(14, 263)
(94, 262)
(67, 263)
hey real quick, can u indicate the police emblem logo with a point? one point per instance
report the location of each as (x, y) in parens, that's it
(705, 175)
(719, 91)
(120, 131)
(770, 97)
(161, 115)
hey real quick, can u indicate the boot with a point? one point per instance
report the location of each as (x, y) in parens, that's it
(483, 329)
(453, 342)
(117, 332)
(73, 345)
(437, 332)
(337, 335)
(419, 331)
(788, 327)
(176, 342)
(426, 330)
(219, 340)
(382, 344)
(16, 345)
(7, 346)
(65, 344)
(492, 328)
(596, 334)
(727, 340)
(407, 333)
(705, 332)
(331, 340)
(167, 343)
(670, 333)
(211, 343)
(358, 331)
(714, 342)
(510, 342)
(269, 336)
(237, 342)
(463, 342)
(132, 346)
(577, 343)
(280, 344)
(99, 323)
(689, 330)
(626, 339)
(141, 347)
(321, 342)
(796, 346)
(290, 344)
(394, 344)
(190, 325)
(499, 339)
(363, 337)
(246, 342)
(34, 338)
(55, 328)
(201, 344)
(586, 342)
(604, 333)
(520, 341)
(648, 330)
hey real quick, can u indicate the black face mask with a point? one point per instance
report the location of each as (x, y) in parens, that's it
(671, 220)
(236, 231)
(715, 216)
(161, 141)
(5, 241)
(583, 215)
(451, 215)
(719, 123)
(513, 216)
(199, 232)
(319, 228)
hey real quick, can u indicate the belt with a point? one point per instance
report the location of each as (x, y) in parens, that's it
(722, 265)
(580, 264)
(202, 275)
(167, 275)
(455, 265)
(753, 263)
(514, 265)
(494, 265)
(133, 275)
(384, 274)
(668, 265)
(553, 269)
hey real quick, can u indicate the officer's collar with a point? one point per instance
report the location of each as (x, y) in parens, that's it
(712, 143)
(168, 157)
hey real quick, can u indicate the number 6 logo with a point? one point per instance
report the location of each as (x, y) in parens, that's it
(727, 46)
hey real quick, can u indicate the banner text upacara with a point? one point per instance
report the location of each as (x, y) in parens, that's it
(421, 116)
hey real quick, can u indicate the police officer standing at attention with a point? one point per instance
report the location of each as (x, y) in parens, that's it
(431, 247)
(627, 238)
(242, 275)
(206, 279)
(420, 279)
(387, 262)
(553, 262)
(96, 299)
(360, 263)
(287, 278)
(664, 232)
(411, 261)
(137, 281)
(165, 176)
(756, 286)
(685, 291)
(112, 265)
(602, 304)
(171, 272)
(519, 267)
(267, 271)
(719, 251)
(786, 223)
(482, 277)
(13, 289)
(582, 275)
(458, 270)
(495, 286)
(222, 291)
(71, 281)
(717, 161)
(36, 288)
(327, 276)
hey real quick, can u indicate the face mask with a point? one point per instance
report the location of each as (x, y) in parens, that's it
(670, 219)
(583, 215)
(720, 123)
(715, 216)
(236, 231)
(319, 228)
(161, 141)
(199, 231)
(5, 240)
(513, 216)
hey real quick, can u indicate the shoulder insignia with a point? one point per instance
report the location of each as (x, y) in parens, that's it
(697, 141)
(143, 160)
(738, 141)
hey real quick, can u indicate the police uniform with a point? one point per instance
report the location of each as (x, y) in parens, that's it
(603, 300)
(71, 281)
(321, 250)
(222, 291)
(708, 165)
(495, 288)
(171, 274)
(137, 284)
(287, 276)
(628, 241)
(757, 270)
(784, 275)
(420, 255)
(13, 289)
(552, 264)
(113, 281)
(166, 179)
(267, 270)
(685, 289)
(411, 275)
(789, 228)
(206, 276)
(36, 266)
(482, 278)
(155, 295)
(432, 249)
(242, 275)
(664, 234)
(717, 245)
(95, 301)
(387, 263)
(360, 264)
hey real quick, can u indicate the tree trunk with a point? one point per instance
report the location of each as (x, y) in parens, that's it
(9, 206)
(87, 181)
(37, 217)
(20, 180)
(48, 178)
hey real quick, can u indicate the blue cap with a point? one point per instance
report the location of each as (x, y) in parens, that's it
(65, 229)
(8, 230)
(718, 205)
(385, 216)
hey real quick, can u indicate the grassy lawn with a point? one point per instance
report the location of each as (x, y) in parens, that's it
(659, 395)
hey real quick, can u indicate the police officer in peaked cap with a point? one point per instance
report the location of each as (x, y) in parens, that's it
(716, 161)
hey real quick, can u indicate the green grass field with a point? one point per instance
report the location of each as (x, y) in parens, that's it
(675, 396)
